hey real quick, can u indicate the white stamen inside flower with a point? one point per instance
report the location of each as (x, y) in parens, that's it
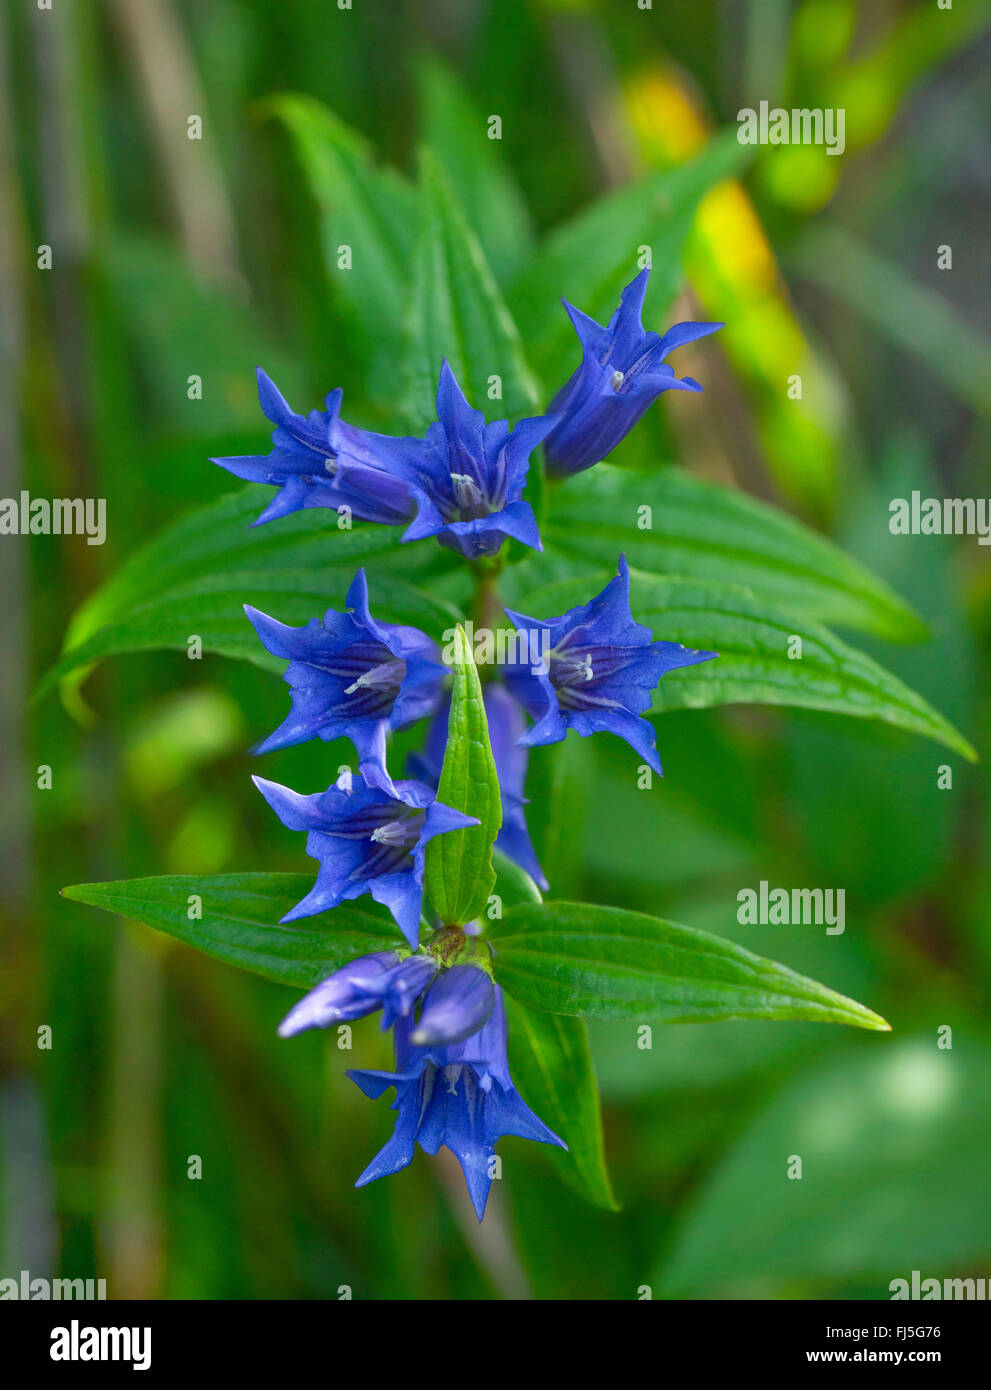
(383, 674)
(392, 833)
(451, 1074)
(466, 491)
(586, 667)
(330, 465)
(616, 380)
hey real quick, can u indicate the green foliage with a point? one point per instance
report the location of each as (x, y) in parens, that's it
(459, 873)
(195, 577)
(592, 257)
(466, 251)
(456, 312)
(550, 1063)
(238, 921)
(366, 208)
(458, 135)
(604, 962)
(702, 530)
(877, 1137)
(766, 656)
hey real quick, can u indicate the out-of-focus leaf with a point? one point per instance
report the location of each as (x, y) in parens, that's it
(757, 661)
(590, 259)
(181, 323)
(366, 207)
(186, 730)
(239, 922)
(880, 1137)
(459, 875)
(456, 312)
(551, 1067)
(485, 188)
(882, 823)
(604, 962)
(673, 524)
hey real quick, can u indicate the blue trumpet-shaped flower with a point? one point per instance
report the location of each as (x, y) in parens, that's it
(457, 1004)
(306, 464)
(507, 723)
(459, 1096)
(622, 373)
(366, 840)
(465, 476)
(602, 668)
(380, 981)
(352, 677)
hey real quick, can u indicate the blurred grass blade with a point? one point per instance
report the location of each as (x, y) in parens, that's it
(911, 315)
(754, 640)
(607, 963)
(239, 922)
(551, 1067)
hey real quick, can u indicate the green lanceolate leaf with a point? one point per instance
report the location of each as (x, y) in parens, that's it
(366, 207)
(766, 656)
(551, 1067)
(485, 188)
(591, 259)
(459, 873)
(196, 575)
(238, 921)
(670, 523)
(456, 312)
(606, 963)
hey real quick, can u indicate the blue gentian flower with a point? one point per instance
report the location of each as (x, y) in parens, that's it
(459, 1096)
(367, 840)
(352, 677)
(457, 1004)
(601, 671)
(506, 725)
(306, 464)
(465, 476)
(383, 980)
(621, 374)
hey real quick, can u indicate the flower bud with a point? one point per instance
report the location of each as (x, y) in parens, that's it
(351, 992)
(456, 1006)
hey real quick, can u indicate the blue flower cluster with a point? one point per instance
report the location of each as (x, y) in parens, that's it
(356, 677)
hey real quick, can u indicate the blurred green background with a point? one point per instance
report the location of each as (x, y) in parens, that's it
(174, 257)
